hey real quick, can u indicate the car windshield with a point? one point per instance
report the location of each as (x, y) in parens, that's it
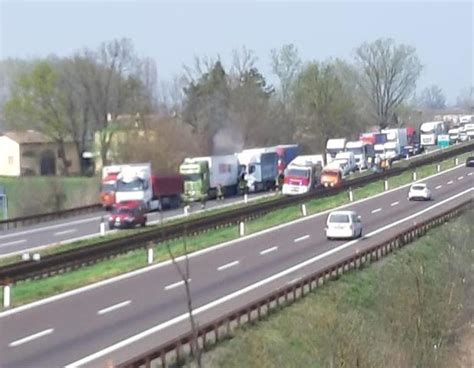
(132, 186)
(418, 187)
(122, 211)
(297, 173)
(339, 218)
(192, 177)
(108, 187)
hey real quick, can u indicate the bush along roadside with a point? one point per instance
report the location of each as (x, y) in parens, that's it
(31, 290)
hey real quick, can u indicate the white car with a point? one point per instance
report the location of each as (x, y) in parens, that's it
(419, 191)
(343, 224)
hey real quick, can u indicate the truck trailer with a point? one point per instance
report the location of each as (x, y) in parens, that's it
(333, 147)
(203, 176)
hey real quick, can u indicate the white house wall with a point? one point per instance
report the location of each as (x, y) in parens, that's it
(9, 157)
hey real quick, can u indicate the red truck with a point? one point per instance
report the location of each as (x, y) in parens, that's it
(168, 189)
(109, 185)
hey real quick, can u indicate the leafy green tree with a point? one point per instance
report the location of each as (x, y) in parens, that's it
(37, 102)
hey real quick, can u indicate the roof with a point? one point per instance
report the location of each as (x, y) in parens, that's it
(28, 136)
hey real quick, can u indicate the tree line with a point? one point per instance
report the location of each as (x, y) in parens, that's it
(210, 108)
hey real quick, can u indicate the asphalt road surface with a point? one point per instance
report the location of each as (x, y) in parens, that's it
(126, 315)
(87, 226)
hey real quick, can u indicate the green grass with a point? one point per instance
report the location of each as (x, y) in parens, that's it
(368, 315)
(25, 292)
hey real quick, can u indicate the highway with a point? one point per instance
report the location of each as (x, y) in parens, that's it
(133, 312)
(88, 226)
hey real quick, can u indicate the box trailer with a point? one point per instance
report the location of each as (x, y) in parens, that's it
(260, 168)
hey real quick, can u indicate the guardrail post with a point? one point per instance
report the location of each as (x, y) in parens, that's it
(150, 254)
(438, 168)
(456, 161)
(6, 296)
(242, 228)
(102, 226)
(186, 210)
(414, 175)
(407, 157)
(246, 198)
(351, 195)
(303, 210)
(36, 257)
(385, 184)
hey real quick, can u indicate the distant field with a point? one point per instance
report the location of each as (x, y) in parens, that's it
(38, 194)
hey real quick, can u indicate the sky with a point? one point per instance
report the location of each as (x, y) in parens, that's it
(173, 33)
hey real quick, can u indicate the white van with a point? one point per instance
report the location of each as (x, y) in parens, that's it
(347, 162)
(343, 224)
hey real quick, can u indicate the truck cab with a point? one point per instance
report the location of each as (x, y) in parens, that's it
(302, 175)
(346, 161)
(331, 177)
(196, 179)
(363, 153)
(333, 147)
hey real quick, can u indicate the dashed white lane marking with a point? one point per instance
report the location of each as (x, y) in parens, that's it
(376, 210)
(301, 238)
(175, 285)
(65, 232)
(439, 186)
(294, 280)
(450, 182)
(31, 338)
(114, 307)
(13, 242)
(461, 177)
(469, 174)
(268, 250)
(227, 265)
(394, 203)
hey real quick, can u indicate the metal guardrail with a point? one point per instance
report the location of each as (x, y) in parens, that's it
(75, 258)
(175, 351)
(17, 222)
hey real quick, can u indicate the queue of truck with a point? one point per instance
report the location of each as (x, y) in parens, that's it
(133, 188)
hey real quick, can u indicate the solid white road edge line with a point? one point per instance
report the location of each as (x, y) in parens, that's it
(13, 242)
(176, 284)
(301, 238)
(31, 338)
(114, 307)
(268, 250)
(376, 210)
(394, 203)
(227, 265)
(251, 287)
(59, 233)
(207, 250)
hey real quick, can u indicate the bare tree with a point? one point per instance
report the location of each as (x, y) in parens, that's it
(243, 60)
(387, 75)
(433, 97)
(185, 275)
(466, 99)
(286, 65)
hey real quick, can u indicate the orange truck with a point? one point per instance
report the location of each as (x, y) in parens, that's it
(331, 177)
(109, 185)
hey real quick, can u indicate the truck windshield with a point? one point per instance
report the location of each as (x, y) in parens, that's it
(356, 150)
(132, 186)
(192, 177)
(108, 187)
(298, 173)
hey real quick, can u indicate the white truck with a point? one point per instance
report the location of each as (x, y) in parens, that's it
(363, 153)
(397, 142)
(303, 174)
(346, 161)
(260, 168)
(134, 183)
(203, 176)
(453, 135)
(333, 147)
(429, 132)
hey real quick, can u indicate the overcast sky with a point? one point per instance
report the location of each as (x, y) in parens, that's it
(173, 32)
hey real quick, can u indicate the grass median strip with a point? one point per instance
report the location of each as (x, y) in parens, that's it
(28, 291)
